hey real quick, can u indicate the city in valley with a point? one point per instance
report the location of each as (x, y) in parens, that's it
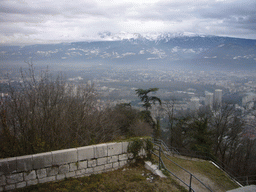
(187, 90)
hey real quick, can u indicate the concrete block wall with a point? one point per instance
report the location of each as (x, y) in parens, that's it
(19, 172)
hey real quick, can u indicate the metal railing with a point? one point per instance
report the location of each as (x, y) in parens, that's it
(170, 150)
(200, 155)
(161, 164)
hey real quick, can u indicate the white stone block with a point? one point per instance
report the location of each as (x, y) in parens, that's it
(60, 177)
(102, 161)
(41, 173)
(47, 179)
(82, 165)
(73, 166)
(51, 171)
(101, 150)
(32, 182)
(8, 165)
(42, 160)
(89, 171)
(9, 187)
(123, 157)
(122, 163)
(70, 174)
(30, 175)
(80, 172)
(113, 159)
(115, 149)
(92, 163)
(24, 163)
(108, 166)
(116, 165)
(125, 147)
(64, 156)
(85, 153)
(63, 169)
(14, 178)
(21, 185)
(99, 169)
(2, 180)
(142, 153)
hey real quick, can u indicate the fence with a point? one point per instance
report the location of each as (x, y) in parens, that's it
(240, 180)
(161, 164)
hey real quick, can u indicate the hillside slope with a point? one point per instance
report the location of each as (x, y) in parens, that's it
(205, 171)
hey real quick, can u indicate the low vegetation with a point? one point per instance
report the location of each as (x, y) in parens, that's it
(205, 171)
(132, 178)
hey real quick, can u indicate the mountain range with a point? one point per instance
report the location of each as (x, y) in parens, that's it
(185, 51)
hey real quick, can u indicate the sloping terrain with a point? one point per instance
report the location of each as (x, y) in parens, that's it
(205, 171)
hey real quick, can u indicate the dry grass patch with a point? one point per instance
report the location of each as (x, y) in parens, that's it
(131, 178)
(210, 175)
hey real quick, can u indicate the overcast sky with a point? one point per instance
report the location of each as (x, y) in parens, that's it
(54, 21)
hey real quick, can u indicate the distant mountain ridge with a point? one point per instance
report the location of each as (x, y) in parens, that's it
(166, 49)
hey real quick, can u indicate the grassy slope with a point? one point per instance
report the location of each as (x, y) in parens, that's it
(210, 175)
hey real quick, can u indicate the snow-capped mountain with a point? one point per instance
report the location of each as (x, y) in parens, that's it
(166, 49)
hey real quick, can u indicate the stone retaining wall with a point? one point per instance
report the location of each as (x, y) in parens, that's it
(19, 172)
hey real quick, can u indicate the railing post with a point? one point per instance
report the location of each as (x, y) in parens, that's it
(190, 182)
(159, 157)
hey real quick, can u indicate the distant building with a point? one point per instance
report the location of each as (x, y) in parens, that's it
(218, 96)
(248, 100)
(194, 104)
(209, 99)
